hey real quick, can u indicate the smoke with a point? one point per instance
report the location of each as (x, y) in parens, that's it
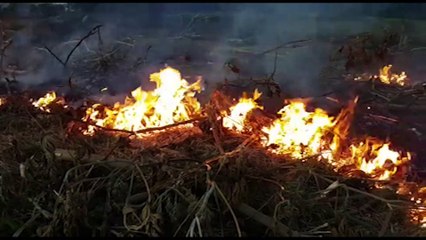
(219, 34)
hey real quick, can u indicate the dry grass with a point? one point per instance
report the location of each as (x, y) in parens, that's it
(58, 185)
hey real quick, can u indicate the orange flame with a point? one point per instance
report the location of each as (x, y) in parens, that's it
(387, 77)
(236, 119)
(172, 101)
(377, 159)
(298, 133)
(418, 214)
(43, 102)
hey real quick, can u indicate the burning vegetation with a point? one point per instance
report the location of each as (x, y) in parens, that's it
(387, 77)
(172, 101)
(296, 133)
(161, 163)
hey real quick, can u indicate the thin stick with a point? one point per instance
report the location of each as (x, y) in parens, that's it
(282, 46)
(146, 129)
(54, 55)
(237, 226)
(385, 224)
(90, 33)
(233, 152)
(265, 220)
(271, 77)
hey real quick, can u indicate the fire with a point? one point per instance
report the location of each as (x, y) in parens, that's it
(43, 102)
(377, 159)
(387, 77)
(172, 101)
(298, 133)
(236, 119)
(418, 215)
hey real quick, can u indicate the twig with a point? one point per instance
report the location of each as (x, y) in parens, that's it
(271, 77)
(287, 44)
(385, 224)
(100, 42)
(359, 191)
(70, 155)
(26, 224)
(267, 221)
(231, 153)
(54, 55)
(90, 33)
(237, 226)
(146, 130)
(144, 59)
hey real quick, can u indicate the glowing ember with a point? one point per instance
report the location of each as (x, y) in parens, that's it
(2, 101)
(43, 102)
(172, 101)
(387, 77)
(235, 120)
(418, 214)
(377, 159)
(298, 133)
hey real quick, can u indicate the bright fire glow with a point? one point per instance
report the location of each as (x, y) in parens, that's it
(172, 101)
(377, 159)
(387, 77)
(236, 119)
(43, 102)
(298, 133)
(418, 214)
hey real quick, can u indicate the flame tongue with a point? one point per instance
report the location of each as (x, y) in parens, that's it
(236, 119)
(377, 159)
(387, 77)
(172, 101)
(43, 102)
(298, 133)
